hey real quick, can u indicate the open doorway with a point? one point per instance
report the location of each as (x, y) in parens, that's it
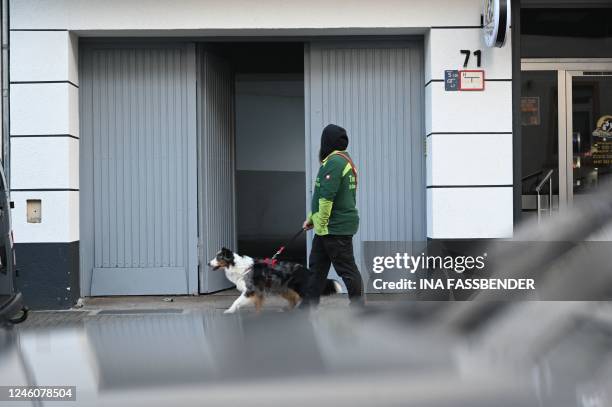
(260, 150)
(265, 144)
(270, 158)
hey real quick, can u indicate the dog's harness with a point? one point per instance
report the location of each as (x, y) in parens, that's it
(273, 262)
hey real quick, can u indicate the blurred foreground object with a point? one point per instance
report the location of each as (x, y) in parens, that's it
(472, 353)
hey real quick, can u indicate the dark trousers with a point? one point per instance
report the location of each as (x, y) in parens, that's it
(336, 250)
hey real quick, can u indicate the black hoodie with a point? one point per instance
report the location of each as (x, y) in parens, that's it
(333, 138)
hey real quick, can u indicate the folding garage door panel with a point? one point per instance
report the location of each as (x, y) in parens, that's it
(217, 165)
(376, 91)
(139, 139)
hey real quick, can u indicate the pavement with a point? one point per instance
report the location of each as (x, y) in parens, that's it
(215, 304)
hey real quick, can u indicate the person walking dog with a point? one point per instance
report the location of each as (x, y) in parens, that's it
(334, 217)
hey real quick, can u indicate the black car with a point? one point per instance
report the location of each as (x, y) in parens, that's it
(12, 309)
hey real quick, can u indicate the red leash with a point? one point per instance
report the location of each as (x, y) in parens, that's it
(272, 262)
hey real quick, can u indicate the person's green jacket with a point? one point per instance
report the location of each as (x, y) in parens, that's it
(334, 210)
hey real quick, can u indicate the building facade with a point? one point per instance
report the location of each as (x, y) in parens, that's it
(145, 135)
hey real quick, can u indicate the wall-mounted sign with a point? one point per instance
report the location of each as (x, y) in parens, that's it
(604, 127)
(601, 150)
(530, 111)
(601, 153)
(466, 80)
(471, 80)
(496, 22)
(451, 81)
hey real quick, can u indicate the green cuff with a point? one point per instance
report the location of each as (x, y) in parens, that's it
(321, 218)
(319, 228)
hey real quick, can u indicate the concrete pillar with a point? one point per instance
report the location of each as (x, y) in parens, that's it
(45, 161)
(468, 139)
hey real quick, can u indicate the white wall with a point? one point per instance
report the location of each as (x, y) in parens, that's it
(469, 213)
(469, 140)
(42, 56)
(45, 134)
(109, 15)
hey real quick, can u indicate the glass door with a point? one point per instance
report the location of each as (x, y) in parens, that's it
(582, 120)
(588, 131)
(539, 110)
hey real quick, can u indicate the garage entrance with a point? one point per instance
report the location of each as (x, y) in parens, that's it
(252, 175)
(186, 148)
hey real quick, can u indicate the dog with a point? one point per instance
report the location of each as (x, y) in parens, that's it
(256, 278)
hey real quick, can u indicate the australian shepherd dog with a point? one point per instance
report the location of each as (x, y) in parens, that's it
(256, 278)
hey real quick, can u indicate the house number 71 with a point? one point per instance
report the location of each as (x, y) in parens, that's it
(468, 53)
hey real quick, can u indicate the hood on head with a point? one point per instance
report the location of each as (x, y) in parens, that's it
(333, 138)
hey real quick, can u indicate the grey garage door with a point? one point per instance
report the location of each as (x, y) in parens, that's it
(138, 169)
(217, 207)
(376, 91)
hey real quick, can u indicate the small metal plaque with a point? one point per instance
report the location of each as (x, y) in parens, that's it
(451, 81)
(472, 80)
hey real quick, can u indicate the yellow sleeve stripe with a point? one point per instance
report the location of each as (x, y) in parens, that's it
(346, 169)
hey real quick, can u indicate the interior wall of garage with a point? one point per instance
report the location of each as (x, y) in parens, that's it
(271, 179)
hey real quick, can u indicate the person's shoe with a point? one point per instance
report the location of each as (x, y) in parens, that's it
(357, 303)
(306, 305)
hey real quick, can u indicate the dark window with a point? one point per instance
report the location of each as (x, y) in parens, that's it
(566, 33)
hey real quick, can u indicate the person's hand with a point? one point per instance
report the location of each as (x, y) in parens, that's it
(307, 224)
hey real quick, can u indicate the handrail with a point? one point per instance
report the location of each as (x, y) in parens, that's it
(535, 174)
(549, 174)
(538, 189)
(547, 179)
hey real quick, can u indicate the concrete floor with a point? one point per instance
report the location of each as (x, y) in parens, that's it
(103, 307)
(219, 301)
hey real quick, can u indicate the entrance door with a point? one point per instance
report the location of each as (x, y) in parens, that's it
(138, 169)
(217, 203)
(589, 131)
(375, 90)
(566, 114)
